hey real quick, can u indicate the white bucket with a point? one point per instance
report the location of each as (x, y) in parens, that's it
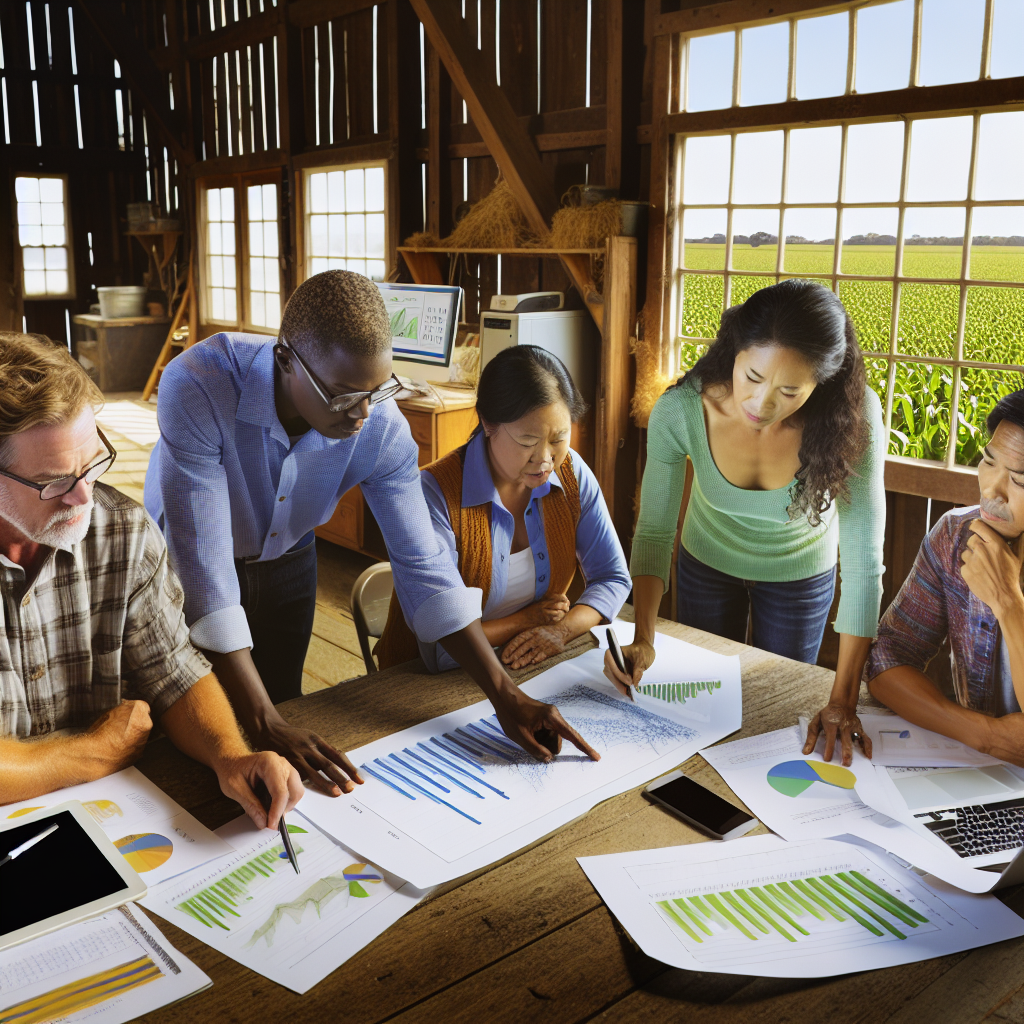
(129, 300)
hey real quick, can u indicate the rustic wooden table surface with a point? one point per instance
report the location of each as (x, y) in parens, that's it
(529, 939)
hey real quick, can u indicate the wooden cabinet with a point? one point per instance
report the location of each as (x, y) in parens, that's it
(436, 430)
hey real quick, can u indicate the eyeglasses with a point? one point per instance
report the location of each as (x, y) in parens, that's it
(349, 399)
(66, 484)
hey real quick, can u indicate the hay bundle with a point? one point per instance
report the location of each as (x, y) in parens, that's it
(650, 381)
(423, 240)
(585, 227)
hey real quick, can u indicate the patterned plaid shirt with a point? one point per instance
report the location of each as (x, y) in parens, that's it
(935, 602)
(98, 623)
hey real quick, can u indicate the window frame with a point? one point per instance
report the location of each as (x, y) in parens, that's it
(303, 175)
(72, 292)
(203, 185)
(272, 177)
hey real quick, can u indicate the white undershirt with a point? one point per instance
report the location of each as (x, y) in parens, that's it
(521, 585)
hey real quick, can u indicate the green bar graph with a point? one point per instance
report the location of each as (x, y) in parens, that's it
(677, 693)
(795, 910)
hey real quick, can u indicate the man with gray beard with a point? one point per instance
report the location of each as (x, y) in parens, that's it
(93, 641)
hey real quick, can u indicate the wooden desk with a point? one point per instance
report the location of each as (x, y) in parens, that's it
(530, 940)
(436, 430)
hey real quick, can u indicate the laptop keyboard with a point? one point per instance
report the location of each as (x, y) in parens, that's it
(981, 828)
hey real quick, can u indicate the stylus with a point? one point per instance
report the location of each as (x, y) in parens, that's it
(264, 797)
(620, 662)
(29, 843)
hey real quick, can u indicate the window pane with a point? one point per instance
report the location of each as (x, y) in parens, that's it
(35, 282)
(757, 176)
(256, 278)
(997, 243)
(258, 310)
(1007, 32)
(227, 239)
(878, 377)
(883, 46)
(26, 190)
(217, 304)
(822, 48)
(255, 239)
(874, 161)
(255, 197)
(216, 271)
(229, 272)
(53, 234)
(230, 306)
(318, 193)
(32, 259)
(270, 238)
(814, 155)
(755, 235)
(56, 281)
(709, 71)
(318, 236)
(869, 240)
(994, 325)
(374, 188)
(272, 275)
(979, 392)
(354, 190)
(336, 192)
(940, 154)
(336, 246)
(30, 234)
(921, 397)
(951, 33)
(704, 239)
(765, 64)
(356, 266)
(213, 204)
(375, 269)
(227, 204)
(273, 310)
(869, 304)
(1001, 156)
(270, 202)
(689, 353)
(30, 213)
(933, 239)
(356, 228)
(810, 241)
(56, 259)
(51, 190)
(927, 323)
(319, 264)
(52, 213)
(375, 235)
(744, 287)
(702, 305)
(706, 170)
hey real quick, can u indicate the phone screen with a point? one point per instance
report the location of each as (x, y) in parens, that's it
(700, 804)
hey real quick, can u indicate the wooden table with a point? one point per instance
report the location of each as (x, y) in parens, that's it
(529, 939)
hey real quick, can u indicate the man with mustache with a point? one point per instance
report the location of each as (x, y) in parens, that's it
(259, 438)
(93, 635)
(966, 584)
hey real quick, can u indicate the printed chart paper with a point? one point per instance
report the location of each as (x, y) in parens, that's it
(776, 909)
(453, 794)
(108, 970)
(293, 929)
(156, 835)
(806, 797)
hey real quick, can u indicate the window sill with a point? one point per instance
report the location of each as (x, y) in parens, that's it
(929, 479)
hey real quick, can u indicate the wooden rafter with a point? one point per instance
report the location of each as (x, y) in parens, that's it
(141, 73)
(506, 137)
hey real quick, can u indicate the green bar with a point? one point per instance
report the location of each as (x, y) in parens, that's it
(889, 896)
(784, 899)
(224, 892)
(664, 904)
(756, 909)
(851, 898)
(712, 898)
(684, 907)
(769, 902)
(192, 911)
(802, 886)
(817, 885)
(710, 914)
(887, 906)
(737, 906)
(809, 907)
(761, 905)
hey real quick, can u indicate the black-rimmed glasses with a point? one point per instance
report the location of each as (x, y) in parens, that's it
(349, 399)
(66, 484)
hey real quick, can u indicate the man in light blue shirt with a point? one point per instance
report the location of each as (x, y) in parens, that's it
(259, 440)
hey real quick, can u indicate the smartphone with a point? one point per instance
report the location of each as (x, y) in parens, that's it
(698, 806)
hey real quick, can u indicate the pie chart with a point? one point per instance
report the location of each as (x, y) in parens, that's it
(356, 873)
(146, 851)
(791, 778)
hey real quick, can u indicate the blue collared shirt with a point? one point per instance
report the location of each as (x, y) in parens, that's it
(597, 546)
(225, 483)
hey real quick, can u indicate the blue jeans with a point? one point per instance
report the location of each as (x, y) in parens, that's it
(279, 599)
(788, 618)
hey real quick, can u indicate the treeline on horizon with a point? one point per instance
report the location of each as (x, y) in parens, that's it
(764, 238)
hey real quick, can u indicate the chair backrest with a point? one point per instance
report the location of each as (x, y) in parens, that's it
(371, 597)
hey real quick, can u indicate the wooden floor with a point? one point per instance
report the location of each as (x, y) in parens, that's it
(130, 426)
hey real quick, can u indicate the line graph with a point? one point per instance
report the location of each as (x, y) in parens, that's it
(319, 894)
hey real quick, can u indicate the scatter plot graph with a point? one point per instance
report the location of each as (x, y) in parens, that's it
(791, 778)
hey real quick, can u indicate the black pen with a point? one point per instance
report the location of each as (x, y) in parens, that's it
(620, 661)
(263, 794)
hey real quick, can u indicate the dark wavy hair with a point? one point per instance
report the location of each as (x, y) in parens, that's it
(1010, 408)
(809, 319)
(522, 378)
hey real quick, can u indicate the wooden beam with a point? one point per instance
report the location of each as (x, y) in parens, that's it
(363, 151)
(439, 120)
(306, 13)
(994, 92)
(149, 84)
(506, 138)
(932, 480)
(613, 101)
(550, 142)
(244, 163)
(714, 17)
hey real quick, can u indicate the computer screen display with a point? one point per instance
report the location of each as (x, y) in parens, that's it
(424, 318)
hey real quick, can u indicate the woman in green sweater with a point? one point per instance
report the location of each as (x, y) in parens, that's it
(788, 451)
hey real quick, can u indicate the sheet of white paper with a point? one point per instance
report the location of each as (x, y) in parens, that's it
(453, 794)
(121, 955)
(778, 909)
(805, 797)
(293, 929)
(157, 836)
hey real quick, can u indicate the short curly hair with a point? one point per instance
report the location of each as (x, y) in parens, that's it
(337, 309)
(40, 384)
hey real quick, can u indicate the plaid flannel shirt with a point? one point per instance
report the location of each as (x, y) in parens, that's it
(98, 623)
(935, 602)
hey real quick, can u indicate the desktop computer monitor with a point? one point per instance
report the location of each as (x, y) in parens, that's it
(424, 319)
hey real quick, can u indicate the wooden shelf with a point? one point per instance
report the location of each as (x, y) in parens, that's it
(506, 252)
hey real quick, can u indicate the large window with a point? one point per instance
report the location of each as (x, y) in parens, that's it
(917, 224)
(44, 237)
(221, 263)
(344, 220)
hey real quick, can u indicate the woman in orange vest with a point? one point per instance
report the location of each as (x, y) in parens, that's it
(518, 509)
